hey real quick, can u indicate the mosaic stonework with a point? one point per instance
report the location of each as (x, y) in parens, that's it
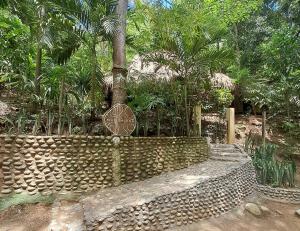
(40, 164)
(207, 198)
(280, 194)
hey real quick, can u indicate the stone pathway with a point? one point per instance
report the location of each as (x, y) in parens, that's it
(109, 200)
(135, 204)
(227, 152)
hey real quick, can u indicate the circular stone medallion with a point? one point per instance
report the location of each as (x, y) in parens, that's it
(120, 120)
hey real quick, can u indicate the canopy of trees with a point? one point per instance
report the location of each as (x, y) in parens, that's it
(55, 57)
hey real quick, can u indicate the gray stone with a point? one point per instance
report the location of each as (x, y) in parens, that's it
(279, 212)
(297, 212)
(265, 209)
(253, 209)
(6, 191)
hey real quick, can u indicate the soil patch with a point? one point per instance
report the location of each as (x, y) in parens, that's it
(30, 217)
(37, 217)
(281, 218)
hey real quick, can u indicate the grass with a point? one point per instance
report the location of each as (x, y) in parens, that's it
(20, 199)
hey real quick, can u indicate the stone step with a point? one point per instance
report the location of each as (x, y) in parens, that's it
(225, 150)
(230, 154)
(229, 159)
(222, 145)
(226, 146)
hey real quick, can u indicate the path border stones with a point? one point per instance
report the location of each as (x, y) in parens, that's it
(279, 194)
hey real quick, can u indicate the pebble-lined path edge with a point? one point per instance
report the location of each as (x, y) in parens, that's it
(172, 199)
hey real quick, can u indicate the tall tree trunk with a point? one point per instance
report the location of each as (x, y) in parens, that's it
(237, 45)
(38, 70)
(93, 80)
(39, 54)
(119, 55)
(61, 104)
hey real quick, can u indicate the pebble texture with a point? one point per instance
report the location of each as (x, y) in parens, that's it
(42, 164)
(171, 199)
(280, 194)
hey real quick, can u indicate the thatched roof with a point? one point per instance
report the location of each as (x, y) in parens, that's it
(141, 68)
(220, 80)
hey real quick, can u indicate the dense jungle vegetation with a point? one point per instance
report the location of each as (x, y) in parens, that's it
(56, 57)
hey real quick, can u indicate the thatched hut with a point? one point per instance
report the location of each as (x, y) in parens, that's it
(220, 80)
(141, 68)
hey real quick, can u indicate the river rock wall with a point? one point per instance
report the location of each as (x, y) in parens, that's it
(286, 195)
(40, 164)
(208, 198)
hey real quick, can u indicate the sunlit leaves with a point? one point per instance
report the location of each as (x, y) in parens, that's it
(14, 38)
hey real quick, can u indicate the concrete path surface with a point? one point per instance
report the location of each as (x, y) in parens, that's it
(101, 207)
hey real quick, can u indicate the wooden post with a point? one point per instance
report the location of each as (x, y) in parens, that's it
(230, 125)
(197, 111)
(264, 116)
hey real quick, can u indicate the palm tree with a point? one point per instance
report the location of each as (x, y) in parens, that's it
(99, 25)
(190, 57)
(35, 14)
(119, 55)
(50, 23)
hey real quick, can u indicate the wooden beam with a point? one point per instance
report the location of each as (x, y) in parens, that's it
(264, 115)
(230, 125)
(197, 111)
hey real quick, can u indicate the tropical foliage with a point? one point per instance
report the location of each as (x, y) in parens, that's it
(270, 171)
(55, 57)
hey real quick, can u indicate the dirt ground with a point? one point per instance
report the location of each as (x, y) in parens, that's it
(34, 217)
(37, 217)
(282, 218)
(253, 124)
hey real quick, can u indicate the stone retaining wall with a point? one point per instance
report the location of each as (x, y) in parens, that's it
(208, 198)
(79, 163)
(280, 194)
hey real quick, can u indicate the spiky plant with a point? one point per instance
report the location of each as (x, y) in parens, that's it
(271, 171)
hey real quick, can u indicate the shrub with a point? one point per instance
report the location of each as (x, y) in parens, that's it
(269, 170)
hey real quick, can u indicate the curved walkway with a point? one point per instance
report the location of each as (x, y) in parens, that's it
(171, 199)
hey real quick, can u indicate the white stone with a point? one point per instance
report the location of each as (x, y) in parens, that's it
(297, 212)
(265, 209)
(253, 209)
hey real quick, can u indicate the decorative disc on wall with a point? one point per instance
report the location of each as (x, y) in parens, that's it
(120, 120)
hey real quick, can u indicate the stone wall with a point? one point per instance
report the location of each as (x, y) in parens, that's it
(280, 194)
(84, 163)
(208, 198)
